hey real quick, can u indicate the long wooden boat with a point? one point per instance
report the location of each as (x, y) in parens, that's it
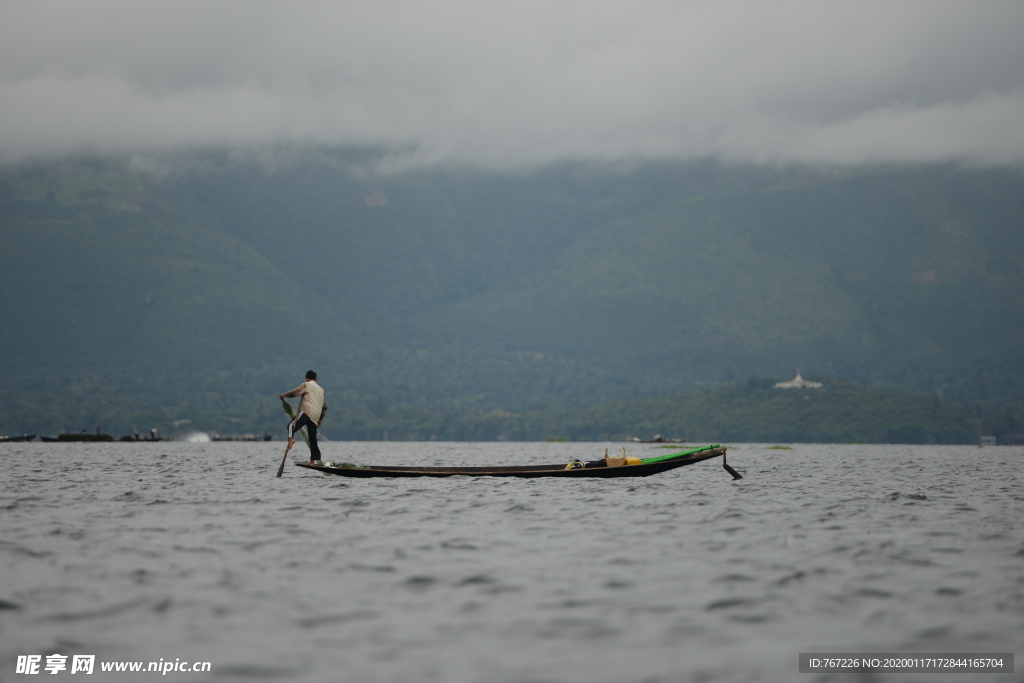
(593, 469)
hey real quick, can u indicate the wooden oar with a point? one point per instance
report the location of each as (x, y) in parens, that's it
(290, 412)
(730, 470)
(280, 470)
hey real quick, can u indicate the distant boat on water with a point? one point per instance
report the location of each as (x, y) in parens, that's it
(657, 438)
(23, 437)
(79, 436)
(243, 437)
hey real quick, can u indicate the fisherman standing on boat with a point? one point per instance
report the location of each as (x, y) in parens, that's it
(312, 407)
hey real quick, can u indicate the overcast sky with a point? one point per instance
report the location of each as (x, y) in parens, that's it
(518, 84)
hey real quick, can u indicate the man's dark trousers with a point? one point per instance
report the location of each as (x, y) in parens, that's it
(302, 420)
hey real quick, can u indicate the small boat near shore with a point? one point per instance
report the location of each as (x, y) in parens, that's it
(657, 438)
(86, 437)
(606, 468)
(17, 439)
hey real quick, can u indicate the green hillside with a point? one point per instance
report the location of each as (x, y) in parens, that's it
(912, 278)
(202, 291)
(121, 308)
(575, 286)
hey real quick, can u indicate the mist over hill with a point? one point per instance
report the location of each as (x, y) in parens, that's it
(201, 288)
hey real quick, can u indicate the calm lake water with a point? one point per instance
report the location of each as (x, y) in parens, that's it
(196, 552)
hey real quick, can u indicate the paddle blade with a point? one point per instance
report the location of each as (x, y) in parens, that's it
(730, 470)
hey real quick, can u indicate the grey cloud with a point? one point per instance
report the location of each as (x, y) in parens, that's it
(519, 84)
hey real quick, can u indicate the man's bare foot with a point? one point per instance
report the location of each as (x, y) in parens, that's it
(291, 442)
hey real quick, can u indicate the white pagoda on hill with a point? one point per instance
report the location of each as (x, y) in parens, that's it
(798, 382)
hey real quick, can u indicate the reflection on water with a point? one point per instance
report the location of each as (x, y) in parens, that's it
(195, 551)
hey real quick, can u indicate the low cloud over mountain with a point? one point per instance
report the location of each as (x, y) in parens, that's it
(518, 85)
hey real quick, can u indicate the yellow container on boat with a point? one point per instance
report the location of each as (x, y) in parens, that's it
(630, 460)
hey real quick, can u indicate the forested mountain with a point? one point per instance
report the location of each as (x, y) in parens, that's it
(201, 287)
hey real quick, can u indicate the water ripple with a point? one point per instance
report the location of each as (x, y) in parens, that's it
(196, 551)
